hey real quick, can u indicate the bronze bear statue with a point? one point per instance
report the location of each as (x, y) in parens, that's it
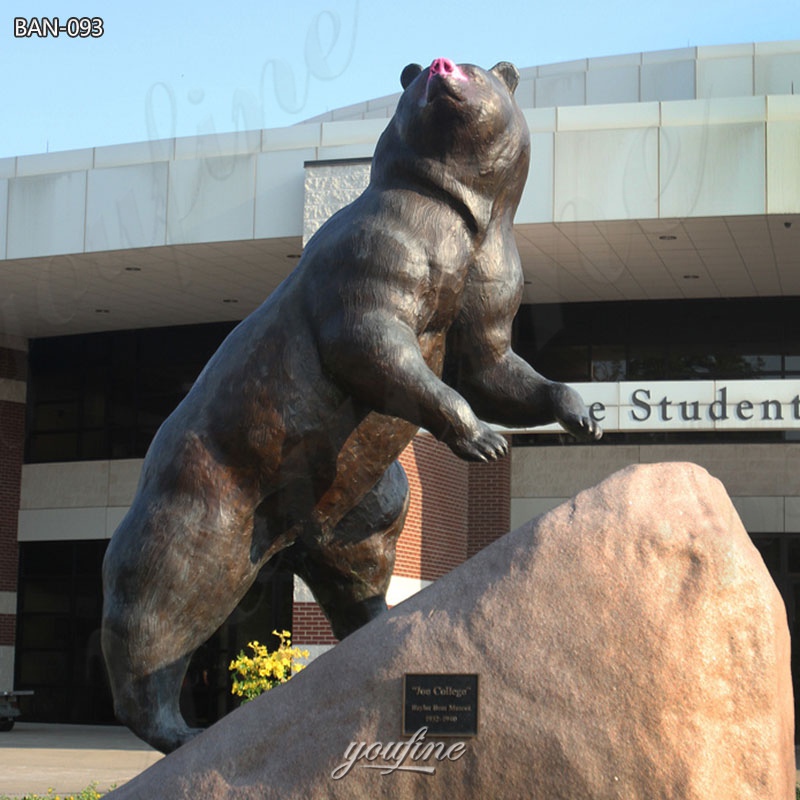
(289, 439)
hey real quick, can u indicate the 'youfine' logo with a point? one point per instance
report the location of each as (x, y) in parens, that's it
(391, 757)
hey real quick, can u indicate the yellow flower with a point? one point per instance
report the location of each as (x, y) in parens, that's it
(264, 670)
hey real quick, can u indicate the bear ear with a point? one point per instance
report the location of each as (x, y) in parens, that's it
(408, 74)
(507, 73)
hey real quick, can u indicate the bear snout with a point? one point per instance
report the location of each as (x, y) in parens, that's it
(444, 77)
(446, 68)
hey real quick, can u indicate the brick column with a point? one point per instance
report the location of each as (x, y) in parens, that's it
(310, 627)
(489, 503)
(13, 375)
(434, 539)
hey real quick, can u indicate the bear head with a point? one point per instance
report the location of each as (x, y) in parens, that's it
(459, 126)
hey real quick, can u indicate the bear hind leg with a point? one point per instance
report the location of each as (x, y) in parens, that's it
(153, 622)
(149, 704)
(349, 572)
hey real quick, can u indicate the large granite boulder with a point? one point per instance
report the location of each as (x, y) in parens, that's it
(630, 644)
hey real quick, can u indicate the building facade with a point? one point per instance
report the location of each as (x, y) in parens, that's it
(658, 234)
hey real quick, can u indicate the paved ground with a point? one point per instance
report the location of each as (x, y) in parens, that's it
(36, 757)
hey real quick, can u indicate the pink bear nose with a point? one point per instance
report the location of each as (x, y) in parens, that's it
(442, 66)
(445, 67)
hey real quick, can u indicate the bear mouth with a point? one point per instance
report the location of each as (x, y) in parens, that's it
(439, 86)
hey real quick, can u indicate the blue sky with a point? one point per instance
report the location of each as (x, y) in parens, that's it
(181, 68)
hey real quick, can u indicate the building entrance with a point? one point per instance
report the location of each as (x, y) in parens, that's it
(58, 652)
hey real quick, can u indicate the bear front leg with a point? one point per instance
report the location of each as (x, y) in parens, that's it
(510, 392)
(380, 364)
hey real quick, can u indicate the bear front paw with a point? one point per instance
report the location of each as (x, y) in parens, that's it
(483, 445)
(572, 415)
(582, 427)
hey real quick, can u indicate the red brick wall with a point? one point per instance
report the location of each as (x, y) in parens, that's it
(434, 539)
(489, 503)
(12, 433)
(8, 629)
(13, 365)
(310, 625)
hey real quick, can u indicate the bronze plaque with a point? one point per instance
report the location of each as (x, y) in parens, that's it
(447, 705)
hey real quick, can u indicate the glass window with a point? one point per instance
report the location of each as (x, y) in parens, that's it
(770, 549)
(105, 395)
(793, 556)
(781, 554)
(663, 340)
(647, 363)
(94, 445)
(57, 415)
(792, 363)
(44, 447)
(764, 363)
(568, 362)
(609, 363)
